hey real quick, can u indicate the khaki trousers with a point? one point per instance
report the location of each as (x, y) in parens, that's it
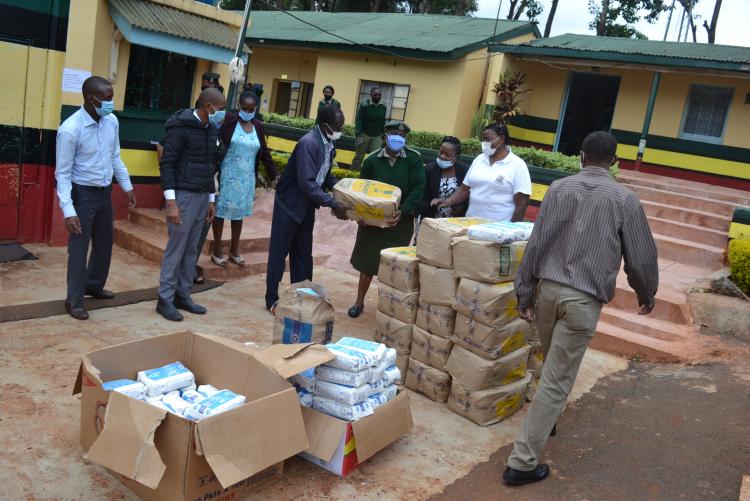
(566, 320)
(365, 144)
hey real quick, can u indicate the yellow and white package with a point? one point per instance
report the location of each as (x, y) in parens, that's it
(490, 342)
(488, 406)
(399, 268)
(491, 304)
(430, 349)
(393, 333)
(476, 373)
(487, 261)
(435, 236)
(366, 201)
(438, 285)
(398, 304)
(436, 319)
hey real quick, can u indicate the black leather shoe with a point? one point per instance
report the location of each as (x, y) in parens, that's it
(77, 312)
(518, 477)
(189, 306)
(168, 311)
(554, 431)
(102, 294)
(355, 311)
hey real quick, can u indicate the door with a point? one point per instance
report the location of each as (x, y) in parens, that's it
(589, 107)
(283, 97)
(14, 68)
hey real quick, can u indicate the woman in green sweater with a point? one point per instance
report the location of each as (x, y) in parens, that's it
(400, 166)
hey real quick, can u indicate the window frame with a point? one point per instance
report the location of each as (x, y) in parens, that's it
(688, 136)
(389, 106)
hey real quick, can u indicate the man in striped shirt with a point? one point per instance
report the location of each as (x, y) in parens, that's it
(586, 225)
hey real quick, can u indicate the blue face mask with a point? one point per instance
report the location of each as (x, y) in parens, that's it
(106, 108)
(246, 116)
(216, 117)
(395, 142)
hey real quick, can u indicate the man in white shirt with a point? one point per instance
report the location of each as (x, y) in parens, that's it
(88, 156)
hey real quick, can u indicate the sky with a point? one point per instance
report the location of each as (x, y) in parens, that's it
(572, 16)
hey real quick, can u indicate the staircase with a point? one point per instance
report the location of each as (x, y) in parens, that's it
(145, 233)
(689, 222)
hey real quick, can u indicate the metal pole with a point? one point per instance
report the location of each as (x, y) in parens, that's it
(669, 20)
(647, 120)
(238, 52)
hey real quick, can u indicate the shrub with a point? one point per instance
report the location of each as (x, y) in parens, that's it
(739, 262)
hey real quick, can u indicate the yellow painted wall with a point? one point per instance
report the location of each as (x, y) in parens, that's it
(547, 86)
(471, 91)
(269, 64)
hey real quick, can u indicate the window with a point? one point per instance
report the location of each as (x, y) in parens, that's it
(158, 81)
(706, 113)
(395, 97)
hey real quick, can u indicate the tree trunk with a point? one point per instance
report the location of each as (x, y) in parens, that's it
(714, 20)
(512, 10)
(601, 27)
(520, 10)
(548, 26)
(461, 8)
(280, 4)
(375, 6)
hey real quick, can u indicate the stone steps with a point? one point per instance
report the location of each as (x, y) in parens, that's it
(685, 201)
(687, 216)
(689, 252)
(676, 229)
(630, 344)
(685, 187)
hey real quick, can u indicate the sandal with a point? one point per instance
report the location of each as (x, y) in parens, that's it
(219, 261)
(355, 311)
(238, 260)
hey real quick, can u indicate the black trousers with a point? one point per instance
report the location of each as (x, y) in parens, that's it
(94, 208)
(293, 239)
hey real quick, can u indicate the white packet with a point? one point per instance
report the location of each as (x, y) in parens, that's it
(377, 400)
(346, 394)
(390, 392)
(153, 400)
(305, 398)
(348, 359)
(392, 375)
(371, 348)
(192, 387)
(390, 357)
(175, 404)
(134, 389)
(342, 411)
(207, 390)
(341, 376)
(304, 380)
(165, 379)
(192, 396)
(215, 404)
(388, 360)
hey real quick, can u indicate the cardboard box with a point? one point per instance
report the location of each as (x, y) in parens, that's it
(304, 315)
(436, 235)
(438, 285)
(491, 304)
(436, 319)
(398, 304)
(370, 202)
(490, 342)
(393, 333)
(487, 261)
(429, 381)
(476, 373)
(399, 268)
(160, 455)
(429, 349)
(341, 446)
(488, 406)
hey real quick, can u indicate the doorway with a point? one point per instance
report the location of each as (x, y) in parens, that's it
(589, 107)
(293, 99)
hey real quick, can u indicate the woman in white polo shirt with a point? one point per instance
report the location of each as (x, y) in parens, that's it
(498, 184)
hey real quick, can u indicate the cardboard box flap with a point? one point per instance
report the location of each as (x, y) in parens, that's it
(290, 359)
(324, 433)
(86, 371)
(389, 422)
(244, 441)
(126, 444)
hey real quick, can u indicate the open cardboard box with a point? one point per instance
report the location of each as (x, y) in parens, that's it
(160, 455)
(341, 446)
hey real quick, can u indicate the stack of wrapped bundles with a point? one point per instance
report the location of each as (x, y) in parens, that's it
(490, 354)
(431, 338)
(398, 299)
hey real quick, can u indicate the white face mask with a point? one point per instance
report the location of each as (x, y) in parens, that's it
(487, 148)
(444, 164)
(333, 136)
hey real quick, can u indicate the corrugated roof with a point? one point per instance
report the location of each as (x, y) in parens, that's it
(415, 32)
(637, 51)
(163, 19)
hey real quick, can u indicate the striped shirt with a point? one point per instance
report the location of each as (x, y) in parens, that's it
(586, 224)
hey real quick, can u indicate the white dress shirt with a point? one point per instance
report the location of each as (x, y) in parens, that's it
(493, 186)
(169, 194)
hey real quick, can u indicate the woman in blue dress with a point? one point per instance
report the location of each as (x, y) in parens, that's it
(244, 138)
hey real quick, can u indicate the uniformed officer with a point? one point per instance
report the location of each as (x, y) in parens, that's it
(369, 126)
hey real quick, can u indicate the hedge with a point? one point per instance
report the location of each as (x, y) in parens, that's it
(281, 159)
(471, 147)
(739, 262)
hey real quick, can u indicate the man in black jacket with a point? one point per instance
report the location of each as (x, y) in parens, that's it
(187, 178)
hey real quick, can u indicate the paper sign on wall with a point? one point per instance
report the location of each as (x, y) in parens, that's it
(72, 79)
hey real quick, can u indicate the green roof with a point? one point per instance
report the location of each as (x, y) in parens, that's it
(419, 35)
(626, 50)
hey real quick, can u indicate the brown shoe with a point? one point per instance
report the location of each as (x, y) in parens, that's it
(76, 312)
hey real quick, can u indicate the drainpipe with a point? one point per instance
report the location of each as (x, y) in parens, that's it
(238, 52)
(647, 120)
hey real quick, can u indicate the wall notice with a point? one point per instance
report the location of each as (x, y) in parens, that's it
(72, 79)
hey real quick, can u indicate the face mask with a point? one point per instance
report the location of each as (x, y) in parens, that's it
(333, 136)
(327, 98)
(395, 142)
(444, 164)
(216, 117)
(106, 108)
(376, 100)
(246, 116)
(487, 148)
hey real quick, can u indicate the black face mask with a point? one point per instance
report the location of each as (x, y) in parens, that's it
(376, 100)
(327, 98)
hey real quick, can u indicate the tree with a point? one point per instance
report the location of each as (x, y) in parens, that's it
(711, 29)
(617, 18)
(532, 9)
(445, 7)
(550, 18)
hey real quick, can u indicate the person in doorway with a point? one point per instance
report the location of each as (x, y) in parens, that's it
(187, 178)
(444, 176)
(327, 99)
(400, 166)
(299, 193)
(498, 184)
(592, 222)
(244, 138)
(87, 157)
(369, 127)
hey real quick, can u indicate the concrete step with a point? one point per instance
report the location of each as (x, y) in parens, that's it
(671, 304)
(644, 324)
(619, 341)
(688, 252)
(692, 202)
(738, 197)
(146, 241)
(256, 264)
(688, 232)
(687, 216)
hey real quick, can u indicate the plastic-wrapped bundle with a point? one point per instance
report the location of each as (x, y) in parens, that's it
(207, 390)
(165, 379)
(347, 394)
(215, 404)
(192, 387)
(342, 411)
(349, 359)
(389, 359)
(503, 232)
(390, 392)
(134, 389)
(176, 404)
(305, 398)
(341, 376)
(377, 400)
(392, 375)
(153, 400)
(375, 350)
(304, 380)
(192, 396)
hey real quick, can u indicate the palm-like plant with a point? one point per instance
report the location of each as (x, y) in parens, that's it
(509, 91)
